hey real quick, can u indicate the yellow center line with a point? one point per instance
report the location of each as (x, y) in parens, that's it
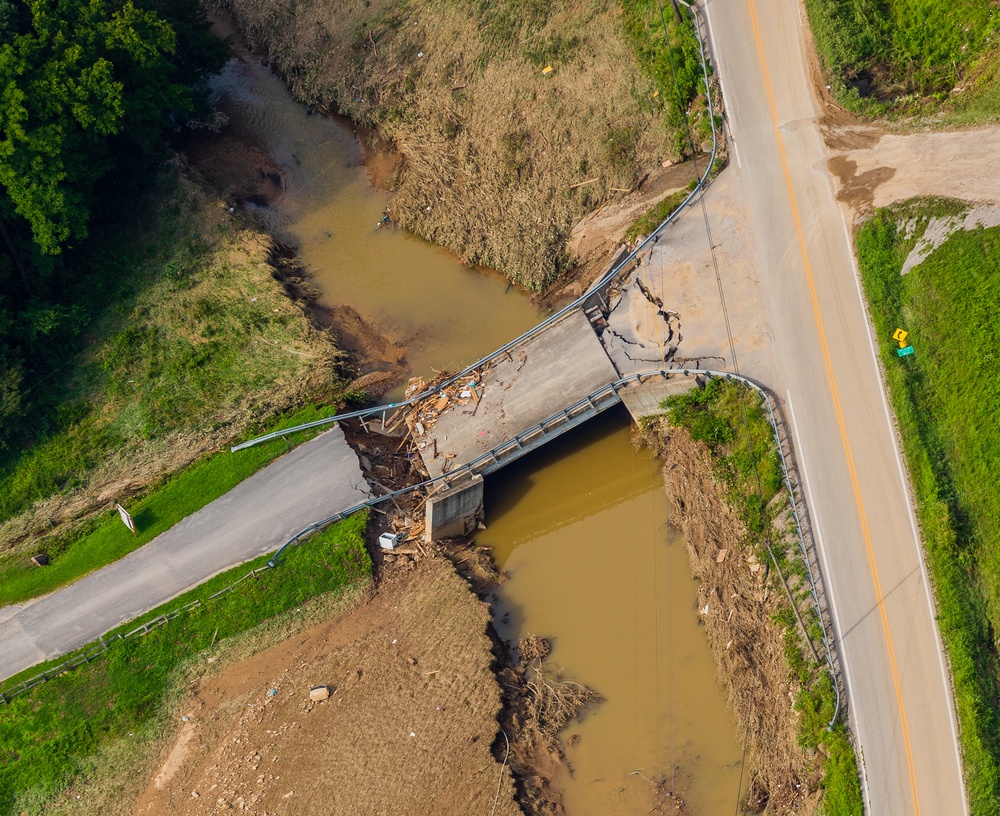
(838, 408)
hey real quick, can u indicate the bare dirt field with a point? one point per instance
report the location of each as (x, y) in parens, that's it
(409, 726)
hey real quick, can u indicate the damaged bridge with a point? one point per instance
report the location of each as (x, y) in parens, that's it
(579, 364)
(602, 349)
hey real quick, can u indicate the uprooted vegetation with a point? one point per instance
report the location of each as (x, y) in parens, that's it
(203, 344)
(513, 119)
(724, 480)
(213, 709)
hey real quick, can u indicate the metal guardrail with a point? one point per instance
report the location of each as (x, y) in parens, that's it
(549, 428)
(102, 645)
(617, 271)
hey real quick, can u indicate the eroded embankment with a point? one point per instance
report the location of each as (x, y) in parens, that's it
(512, 121)
(740, 609)
(424, 699)
(408, 728)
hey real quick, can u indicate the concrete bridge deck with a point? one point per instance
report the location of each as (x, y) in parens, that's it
(549, 372)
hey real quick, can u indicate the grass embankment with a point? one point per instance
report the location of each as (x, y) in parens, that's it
(730, 420)
(946, 399)
(658, 213)
(911, 56)
(106, 539)
(62, 732)
(514, 118)
(196, 345)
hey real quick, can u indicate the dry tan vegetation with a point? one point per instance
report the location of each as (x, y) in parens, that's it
(499, 158)
(746, 640)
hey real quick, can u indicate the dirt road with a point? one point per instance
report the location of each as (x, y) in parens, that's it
(893, 167)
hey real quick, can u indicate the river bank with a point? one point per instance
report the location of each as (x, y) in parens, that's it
(512, 123)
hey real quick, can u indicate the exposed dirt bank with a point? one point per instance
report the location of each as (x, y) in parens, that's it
(427, 713)
(737, 606)
(409, 727)
(239, 168)
(502, 157)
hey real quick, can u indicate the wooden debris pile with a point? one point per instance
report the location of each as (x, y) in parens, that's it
(462, 395)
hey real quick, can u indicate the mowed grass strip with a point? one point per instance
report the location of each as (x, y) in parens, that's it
(47, 735)
(947, 398)
(179, 497)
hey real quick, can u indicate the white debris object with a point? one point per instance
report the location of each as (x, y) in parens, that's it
(388, 541)
(317, 693)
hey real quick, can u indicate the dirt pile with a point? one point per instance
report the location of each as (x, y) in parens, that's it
(737, 606)
(408, 727)
(511, 120)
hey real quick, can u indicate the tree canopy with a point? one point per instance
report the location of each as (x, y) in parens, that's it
(79, 73)
(90, 91)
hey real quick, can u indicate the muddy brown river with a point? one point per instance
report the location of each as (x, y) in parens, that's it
(580, 528)
(422, 296)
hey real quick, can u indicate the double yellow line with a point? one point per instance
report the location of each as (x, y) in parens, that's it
(838, 409)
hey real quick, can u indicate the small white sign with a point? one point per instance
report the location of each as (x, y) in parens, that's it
(127, 519)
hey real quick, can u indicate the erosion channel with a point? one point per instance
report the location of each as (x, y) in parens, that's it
(580, 529)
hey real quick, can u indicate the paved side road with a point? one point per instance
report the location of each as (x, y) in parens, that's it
(314, 481)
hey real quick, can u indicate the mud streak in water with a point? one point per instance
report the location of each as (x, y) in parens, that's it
(581, 530)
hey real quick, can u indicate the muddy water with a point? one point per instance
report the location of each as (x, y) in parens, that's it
(580, 527)
(581, 531)
(445, 313)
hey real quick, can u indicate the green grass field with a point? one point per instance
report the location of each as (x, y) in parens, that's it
(193, 342)
(914, 54)
(107, 539)
(53, 733)
(947, 398)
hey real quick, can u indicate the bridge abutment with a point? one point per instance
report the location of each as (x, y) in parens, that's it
(455, 511)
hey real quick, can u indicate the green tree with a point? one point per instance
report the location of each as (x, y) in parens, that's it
(78, 77)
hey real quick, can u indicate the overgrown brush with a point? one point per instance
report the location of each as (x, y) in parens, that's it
(514, 118)
(198, 344)
(908, 56)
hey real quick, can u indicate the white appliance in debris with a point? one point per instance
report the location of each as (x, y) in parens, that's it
(388, 541)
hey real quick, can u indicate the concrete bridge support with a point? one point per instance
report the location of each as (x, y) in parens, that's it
(454, 511)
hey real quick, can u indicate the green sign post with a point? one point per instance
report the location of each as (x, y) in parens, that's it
(905, 352)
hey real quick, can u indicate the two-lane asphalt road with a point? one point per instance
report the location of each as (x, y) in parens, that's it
(900, 698)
